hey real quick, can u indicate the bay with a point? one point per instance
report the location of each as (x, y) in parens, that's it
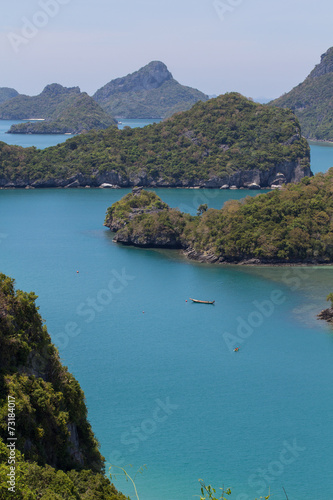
(162, 384)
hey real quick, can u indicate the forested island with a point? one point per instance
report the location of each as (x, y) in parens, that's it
(64, 111)
(56, 452)
(288, 226)
(312, 100)
(225, 142)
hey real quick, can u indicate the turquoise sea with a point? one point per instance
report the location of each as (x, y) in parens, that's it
(163, 385)
(42, 141)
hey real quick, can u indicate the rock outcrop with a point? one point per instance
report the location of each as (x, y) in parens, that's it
(255, 179)
(326, 314)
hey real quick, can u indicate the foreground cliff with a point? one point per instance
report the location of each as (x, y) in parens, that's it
(55, 449)
(293, 225)
(312, 100)
(224, 142)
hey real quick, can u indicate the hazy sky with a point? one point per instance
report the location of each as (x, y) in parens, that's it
(261, 48)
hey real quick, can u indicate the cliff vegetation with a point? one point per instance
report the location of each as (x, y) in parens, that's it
(56, 451)
(312, 100)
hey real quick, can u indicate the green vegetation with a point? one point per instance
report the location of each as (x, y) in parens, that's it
(209, 493)
(34, 482)
(329, 298)
(7, 93)
(214, 139)
(40, 106)
(65, 110)
(75, 115)
(293, 225)
(56, 451)
(312, 100)
(150, 92)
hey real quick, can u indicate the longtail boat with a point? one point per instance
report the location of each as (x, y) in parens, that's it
(203, 301)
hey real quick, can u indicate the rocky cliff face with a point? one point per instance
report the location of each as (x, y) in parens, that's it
(254, 179)
(312, 102)
(325, 66)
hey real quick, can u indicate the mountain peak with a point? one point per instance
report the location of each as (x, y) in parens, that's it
(325, 66)
(55, 89)
(151, 76)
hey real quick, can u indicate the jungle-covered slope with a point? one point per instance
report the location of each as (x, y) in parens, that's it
(61, 455)
(225, 141)
(292, 225)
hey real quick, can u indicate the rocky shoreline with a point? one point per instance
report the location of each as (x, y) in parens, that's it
(326, 314)
(251, 179)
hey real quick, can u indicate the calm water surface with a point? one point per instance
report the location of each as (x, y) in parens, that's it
(42, 141)
(163, 386)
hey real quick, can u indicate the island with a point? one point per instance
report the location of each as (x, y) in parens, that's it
(312, 100)
(53, 452)
(59, 110)
(226, 142)
(327, 314)
(287, 226)
(150, 92)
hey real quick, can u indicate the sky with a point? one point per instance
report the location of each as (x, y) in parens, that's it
(260, 48)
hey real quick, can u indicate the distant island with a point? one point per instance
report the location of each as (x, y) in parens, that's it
(287, 226)
(55, 452)
(225, 142)
(150, 92)
(64, 110)
(7, 93)
(312, 101)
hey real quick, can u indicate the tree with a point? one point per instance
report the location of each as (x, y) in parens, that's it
(329, 298)
(202, 208)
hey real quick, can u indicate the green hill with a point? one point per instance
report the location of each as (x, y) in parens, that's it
(312, 100)
(77, 114)
(225, 141)
(150, 92)
(65, 110)
(7, 93)
(293, 225)
(43, 105)
(56, 451)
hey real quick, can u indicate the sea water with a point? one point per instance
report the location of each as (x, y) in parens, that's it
(163, 386)
(42, 141)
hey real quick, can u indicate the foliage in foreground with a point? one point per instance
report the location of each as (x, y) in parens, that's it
(57, 455)
(291, 225)
(46, 483)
